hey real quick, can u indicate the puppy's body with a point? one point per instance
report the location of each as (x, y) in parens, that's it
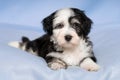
(66, 41)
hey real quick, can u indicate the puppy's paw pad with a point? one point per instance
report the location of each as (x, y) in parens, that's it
(56, 65)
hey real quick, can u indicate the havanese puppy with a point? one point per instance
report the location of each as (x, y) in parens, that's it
(66, 42)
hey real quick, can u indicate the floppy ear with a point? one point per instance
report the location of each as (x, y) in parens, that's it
(84, 20)
(48, 24)
(87, 25)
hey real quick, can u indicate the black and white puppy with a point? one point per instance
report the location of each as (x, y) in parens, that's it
(66, 42)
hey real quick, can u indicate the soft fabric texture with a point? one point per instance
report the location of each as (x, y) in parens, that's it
(16, 64)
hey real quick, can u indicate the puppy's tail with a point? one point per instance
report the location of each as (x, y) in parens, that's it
(25, 45)
(20, 45)
(15, 44)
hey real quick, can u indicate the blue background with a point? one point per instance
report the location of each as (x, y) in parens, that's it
(31, 12)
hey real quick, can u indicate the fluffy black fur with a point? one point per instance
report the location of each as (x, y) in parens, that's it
(47, 23)
(41, 46)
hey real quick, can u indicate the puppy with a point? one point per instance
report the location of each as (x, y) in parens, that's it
(66, 42)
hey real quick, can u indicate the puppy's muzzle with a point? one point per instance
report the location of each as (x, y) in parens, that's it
(68, 38)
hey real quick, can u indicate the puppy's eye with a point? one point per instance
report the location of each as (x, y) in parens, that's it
(74, 25)
(58, 26)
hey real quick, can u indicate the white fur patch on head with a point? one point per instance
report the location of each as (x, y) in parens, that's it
(62, 16)
(62, 27)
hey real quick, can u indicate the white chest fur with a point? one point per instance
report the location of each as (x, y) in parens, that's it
(73, 56)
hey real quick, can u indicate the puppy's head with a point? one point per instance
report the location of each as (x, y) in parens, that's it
(67, 26)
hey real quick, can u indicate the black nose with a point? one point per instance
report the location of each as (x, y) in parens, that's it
(68, 37)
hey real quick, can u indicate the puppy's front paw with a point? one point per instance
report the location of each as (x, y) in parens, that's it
(90, 65)
(94, 68)
(57, 64)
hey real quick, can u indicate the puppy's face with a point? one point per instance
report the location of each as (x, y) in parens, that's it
(67, 26)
